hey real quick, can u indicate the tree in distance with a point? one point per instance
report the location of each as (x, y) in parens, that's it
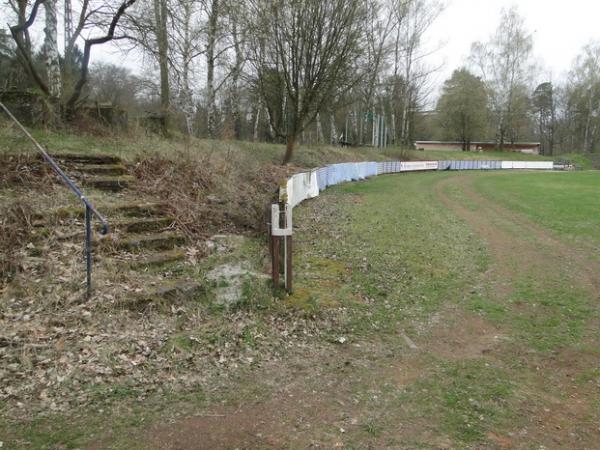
(462, 108)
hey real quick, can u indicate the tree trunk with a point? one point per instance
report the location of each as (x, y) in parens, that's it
(257, 121)
(361, 128)
(160, 15)
(320, 136)
(235, 88)
(210, 68)
(186, 100)
(405, 136)
(333, 129)
(289, 149)
(270, 123)
(51, 55)
(588, 121)
(67, 51)
(188, 108)
(355, 129)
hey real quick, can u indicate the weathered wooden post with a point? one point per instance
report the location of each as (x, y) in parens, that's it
(288, 264)
(281, 227)
(275, 253)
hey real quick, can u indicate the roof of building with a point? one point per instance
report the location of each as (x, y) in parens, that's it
(476, 142)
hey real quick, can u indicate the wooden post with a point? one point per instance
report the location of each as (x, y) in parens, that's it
(288, 265)
(275, 255)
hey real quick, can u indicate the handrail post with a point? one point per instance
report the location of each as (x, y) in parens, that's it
(88, 249)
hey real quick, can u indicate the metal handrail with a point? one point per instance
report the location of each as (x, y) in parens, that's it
(90, 210)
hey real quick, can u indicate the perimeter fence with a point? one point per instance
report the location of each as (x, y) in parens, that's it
(305, 185)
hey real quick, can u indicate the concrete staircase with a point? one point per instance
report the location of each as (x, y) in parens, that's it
(143, 236)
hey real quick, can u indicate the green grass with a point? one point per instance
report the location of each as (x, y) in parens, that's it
(469, 396)
(417, 254)
(566, 203)
(583, 162)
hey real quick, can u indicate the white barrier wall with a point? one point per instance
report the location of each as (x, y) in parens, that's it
(301, 187)
(531, 165)
(307, 185)
(414, 166)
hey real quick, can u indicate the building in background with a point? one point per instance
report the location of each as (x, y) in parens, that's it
(522, 147)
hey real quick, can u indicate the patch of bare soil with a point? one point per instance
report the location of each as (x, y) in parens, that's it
(320, 398)
(463, 336)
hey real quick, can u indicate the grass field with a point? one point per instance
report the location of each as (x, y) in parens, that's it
(567, 204)
(490, 296)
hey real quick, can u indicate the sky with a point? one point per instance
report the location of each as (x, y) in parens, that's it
(560, 29)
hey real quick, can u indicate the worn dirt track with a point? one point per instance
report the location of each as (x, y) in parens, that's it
(306, 403)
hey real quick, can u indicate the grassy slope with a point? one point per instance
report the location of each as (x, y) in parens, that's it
(137, 144)
(392, 268)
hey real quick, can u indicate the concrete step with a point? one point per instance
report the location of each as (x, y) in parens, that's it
(86, 159)
(140, 209)
(98, 169)
(136, 242)
(113, 184)
(129, 210)
(169, 292)
(144, 225)
(156, 259)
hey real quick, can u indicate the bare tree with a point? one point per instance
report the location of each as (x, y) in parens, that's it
(236, 11)
(186, 97)
(162, 40)
(87, 52)
(414, 17)
(583, 98)
(378, 25)
(504, 64)
(312, 47)
(103, 17)
(211, 43)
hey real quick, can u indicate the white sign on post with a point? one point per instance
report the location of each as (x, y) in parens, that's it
(276, 229)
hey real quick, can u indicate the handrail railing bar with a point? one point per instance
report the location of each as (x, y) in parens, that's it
(90, 211)
(59, 171)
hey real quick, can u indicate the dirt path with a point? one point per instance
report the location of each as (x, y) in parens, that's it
(486, 217)
(338, 396)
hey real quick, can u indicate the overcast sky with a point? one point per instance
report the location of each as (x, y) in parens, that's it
(560, 29)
